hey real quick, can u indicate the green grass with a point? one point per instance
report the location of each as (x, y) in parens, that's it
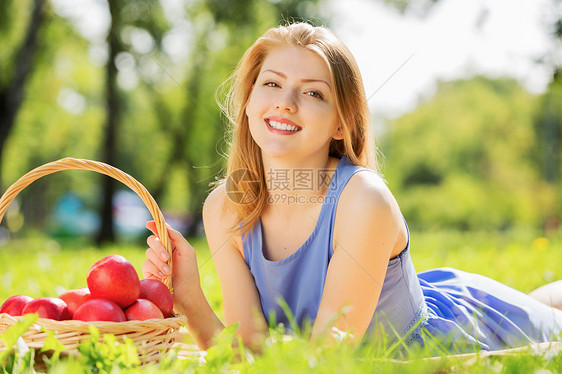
(40, 266)
(523, 260)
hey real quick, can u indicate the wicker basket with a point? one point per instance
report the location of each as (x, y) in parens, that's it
(152, 337)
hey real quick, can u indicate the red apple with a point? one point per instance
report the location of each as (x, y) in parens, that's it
(48, 307)
(15, 304)
(142, 310)
(100, 310)
(75, 298)
(159, 294)
(114, 278)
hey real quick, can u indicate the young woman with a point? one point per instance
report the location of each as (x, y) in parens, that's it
(304, 217)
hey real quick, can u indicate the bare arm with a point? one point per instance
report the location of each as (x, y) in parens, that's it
(240, 296)
(367, 231)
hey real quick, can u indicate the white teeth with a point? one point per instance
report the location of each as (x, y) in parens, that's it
(282, 126)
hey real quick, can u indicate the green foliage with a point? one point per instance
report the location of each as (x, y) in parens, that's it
(172, 135)
(548, 126)
(21, 358)
(220, 355)
(108, 355)
(464, 159)
(12, 29)
(503, 256)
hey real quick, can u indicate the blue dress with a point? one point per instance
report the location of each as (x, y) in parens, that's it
(456, 310)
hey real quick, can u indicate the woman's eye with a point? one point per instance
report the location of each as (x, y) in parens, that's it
(271, 84)
(315, 94)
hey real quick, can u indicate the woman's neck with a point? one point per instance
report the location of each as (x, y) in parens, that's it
(288, 162)
(294, 185)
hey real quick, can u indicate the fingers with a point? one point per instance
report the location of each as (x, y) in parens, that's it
(156, 257)
(157, 254)
(173, 234)
(176, 238)
(150, 271)
(151, 225)
(156, 245)
(156, 266)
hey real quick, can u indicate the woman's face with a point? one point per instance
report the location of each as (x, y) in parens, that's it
(292, 111)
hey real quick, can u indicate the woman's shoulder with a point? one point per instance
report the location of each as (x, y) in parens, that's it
(366, 189)
(217, 202)
(218, 213)
(367, 198)
(366, 204)
(216, 199)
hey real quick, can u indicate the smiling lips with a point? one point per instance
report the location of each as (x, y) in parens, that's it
(282, 126)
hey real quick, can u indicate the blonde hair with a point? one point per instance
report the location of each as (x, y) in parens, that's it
(353, 112)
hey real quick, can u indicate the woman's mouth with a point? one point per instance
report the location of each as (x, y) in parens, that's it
(282, 126)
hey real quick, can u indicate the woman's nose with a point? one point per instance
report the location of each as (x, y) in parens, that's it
(286, 102)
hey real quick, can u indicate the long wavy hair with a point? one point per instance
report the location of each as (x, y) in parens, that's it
(244, 154)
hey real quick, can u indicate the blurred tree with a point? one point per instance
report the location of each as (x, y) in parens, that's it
(141, 14)
(548, 127)
(14, 71)
(463, 159)
(141, 95)
(549, 131)
(113, 117)
(548, 121)
(59, 114)
(548, 124)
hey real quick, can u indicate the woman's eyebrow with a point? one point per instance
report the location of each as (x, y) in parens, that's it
(306, 80)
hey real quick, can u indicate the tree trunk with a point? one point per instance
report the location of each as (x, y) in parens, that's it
(106, 233)
(12, 92)
(183, 134)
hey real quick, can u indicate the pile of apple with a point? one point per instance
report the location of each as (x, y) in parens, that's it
(114, 293)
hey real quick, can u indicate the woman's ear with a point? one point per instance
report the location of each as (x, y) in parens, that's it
(338, 135)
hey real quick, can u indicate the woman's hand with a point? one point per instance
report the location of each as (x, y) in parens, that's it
(185, 276)
(189, 299)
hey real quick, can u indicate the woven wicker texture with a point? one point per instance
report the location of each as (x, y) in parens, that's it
(151, 337)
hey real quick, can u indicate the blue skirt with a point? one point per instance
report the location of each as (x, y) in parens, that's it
(471, 312)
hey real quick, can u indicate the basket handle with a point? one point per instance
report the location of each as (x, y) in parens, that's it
(100, 167)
